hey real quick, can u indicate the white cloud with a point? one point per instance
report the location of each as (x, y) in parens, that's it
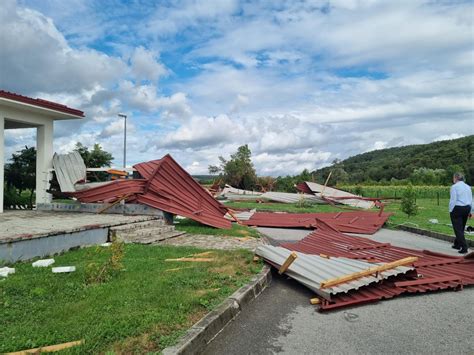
(446, 137)
(36, 57)
(300, 82)
(145, 65)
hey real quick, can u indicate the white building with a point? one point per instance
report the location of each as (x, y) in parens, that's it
(17, 111)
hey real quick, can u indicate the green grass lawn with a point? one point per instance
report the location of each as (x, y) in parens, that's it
(285, 207)
(144, 308)
(193, 227)
(427, 209)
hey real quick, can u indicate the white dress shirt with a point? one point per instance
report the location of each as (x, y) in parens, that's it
(460, 195)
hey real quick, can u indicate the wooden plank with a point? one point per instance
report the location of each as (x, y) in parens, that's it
(206, 253)
(116, 202)
(314, 300)
(48, 349)
(179, 268)
(369, 271)
(199, 260)
(288, 262)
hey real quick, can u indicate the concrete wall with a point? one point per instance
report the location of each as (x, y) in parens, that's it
(131, 209)
(49, 245)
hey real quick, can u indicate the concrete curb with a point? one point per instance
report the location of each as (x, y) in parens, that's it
(195, 340)
(435, 235)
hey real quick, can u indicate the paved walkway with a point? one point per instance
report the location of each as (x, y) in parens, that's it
(214, 242)
(281, 320)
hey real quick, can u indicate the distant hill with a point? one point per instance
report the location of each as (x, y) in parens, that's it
(399, 163)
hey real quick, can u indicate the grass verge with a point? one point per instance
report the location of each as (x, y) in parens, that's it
(144, 308)
(192, 227)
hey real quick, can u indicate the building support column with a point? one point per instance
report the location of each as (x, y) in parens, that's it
(2, 160)
(44, 161)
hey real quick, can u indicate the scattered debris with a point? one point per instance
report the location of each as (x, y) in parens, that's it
(5, 271)
(433, 221)
(43, 263)
(363, 222)
(108, 244)
(48, 349)
(63, 269)
(179, 268)
(336, 196)
(329, 277)
(432, 271)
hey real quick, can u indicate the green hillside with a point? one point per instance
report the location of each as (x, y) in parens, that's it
(400, 163)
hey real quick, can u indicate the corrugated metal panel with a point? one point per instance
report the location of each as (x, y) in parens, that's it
(286, 197)
(241, 216)
(234, 191)
(166, 186)
(312, 270)
(170, 188)
(111, 191)
(238, 197)
(338, 195)
(437, 271)
(69, 169)
(363, 222)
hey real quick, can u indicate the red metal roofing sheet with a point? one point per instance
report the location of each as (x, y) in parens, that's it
(113, 190)
(436, 271)
(41, 103)
(166, 186)
(363, 222)
(170, 188)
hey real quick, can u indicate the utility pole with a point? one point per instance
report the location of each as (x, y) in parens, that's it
(121, 115)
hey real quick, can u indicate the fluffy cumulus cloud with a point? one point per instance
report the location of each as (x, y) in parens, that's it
(301, 82)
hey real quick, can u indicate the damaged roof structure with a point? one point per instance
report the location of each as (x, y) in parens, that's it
(164, 185)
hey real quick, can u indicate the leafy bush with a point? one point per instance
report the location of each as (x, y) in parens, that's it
(408, 205)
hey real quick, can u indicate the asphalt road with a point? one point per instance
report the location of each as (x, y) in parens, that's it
(281, 320)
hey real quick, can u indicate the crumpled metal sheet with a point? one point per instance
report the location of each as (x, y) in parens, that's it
(335, 195)
(435, 271)
(165, 186)
(362, 222)
(312, 270)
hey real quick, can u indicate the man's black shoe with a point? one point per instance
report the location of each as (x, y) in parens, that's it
(455, 247)
(462, 251)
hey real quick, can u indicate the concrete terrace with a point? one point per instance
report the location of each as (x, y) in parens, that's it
(18, 225)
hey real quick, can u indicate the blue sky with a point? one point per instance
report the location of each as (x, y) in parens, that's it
(301, 82)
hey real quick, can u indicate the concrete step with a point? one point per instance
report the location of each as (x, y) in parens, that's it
(143, 232)
(159, 237)
(152, 231)
(139, 225)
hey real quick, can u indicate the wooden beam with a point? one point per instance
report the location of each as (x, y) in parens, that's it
(288, 262)
(314, 300)
(369, 271)
(200, 260)
(47, 349)
(113, 203)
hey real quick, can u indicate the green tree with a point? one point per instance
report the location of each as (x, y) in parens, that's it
(20, 174)
(239, 170)
(408, 205)
(95, 158)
